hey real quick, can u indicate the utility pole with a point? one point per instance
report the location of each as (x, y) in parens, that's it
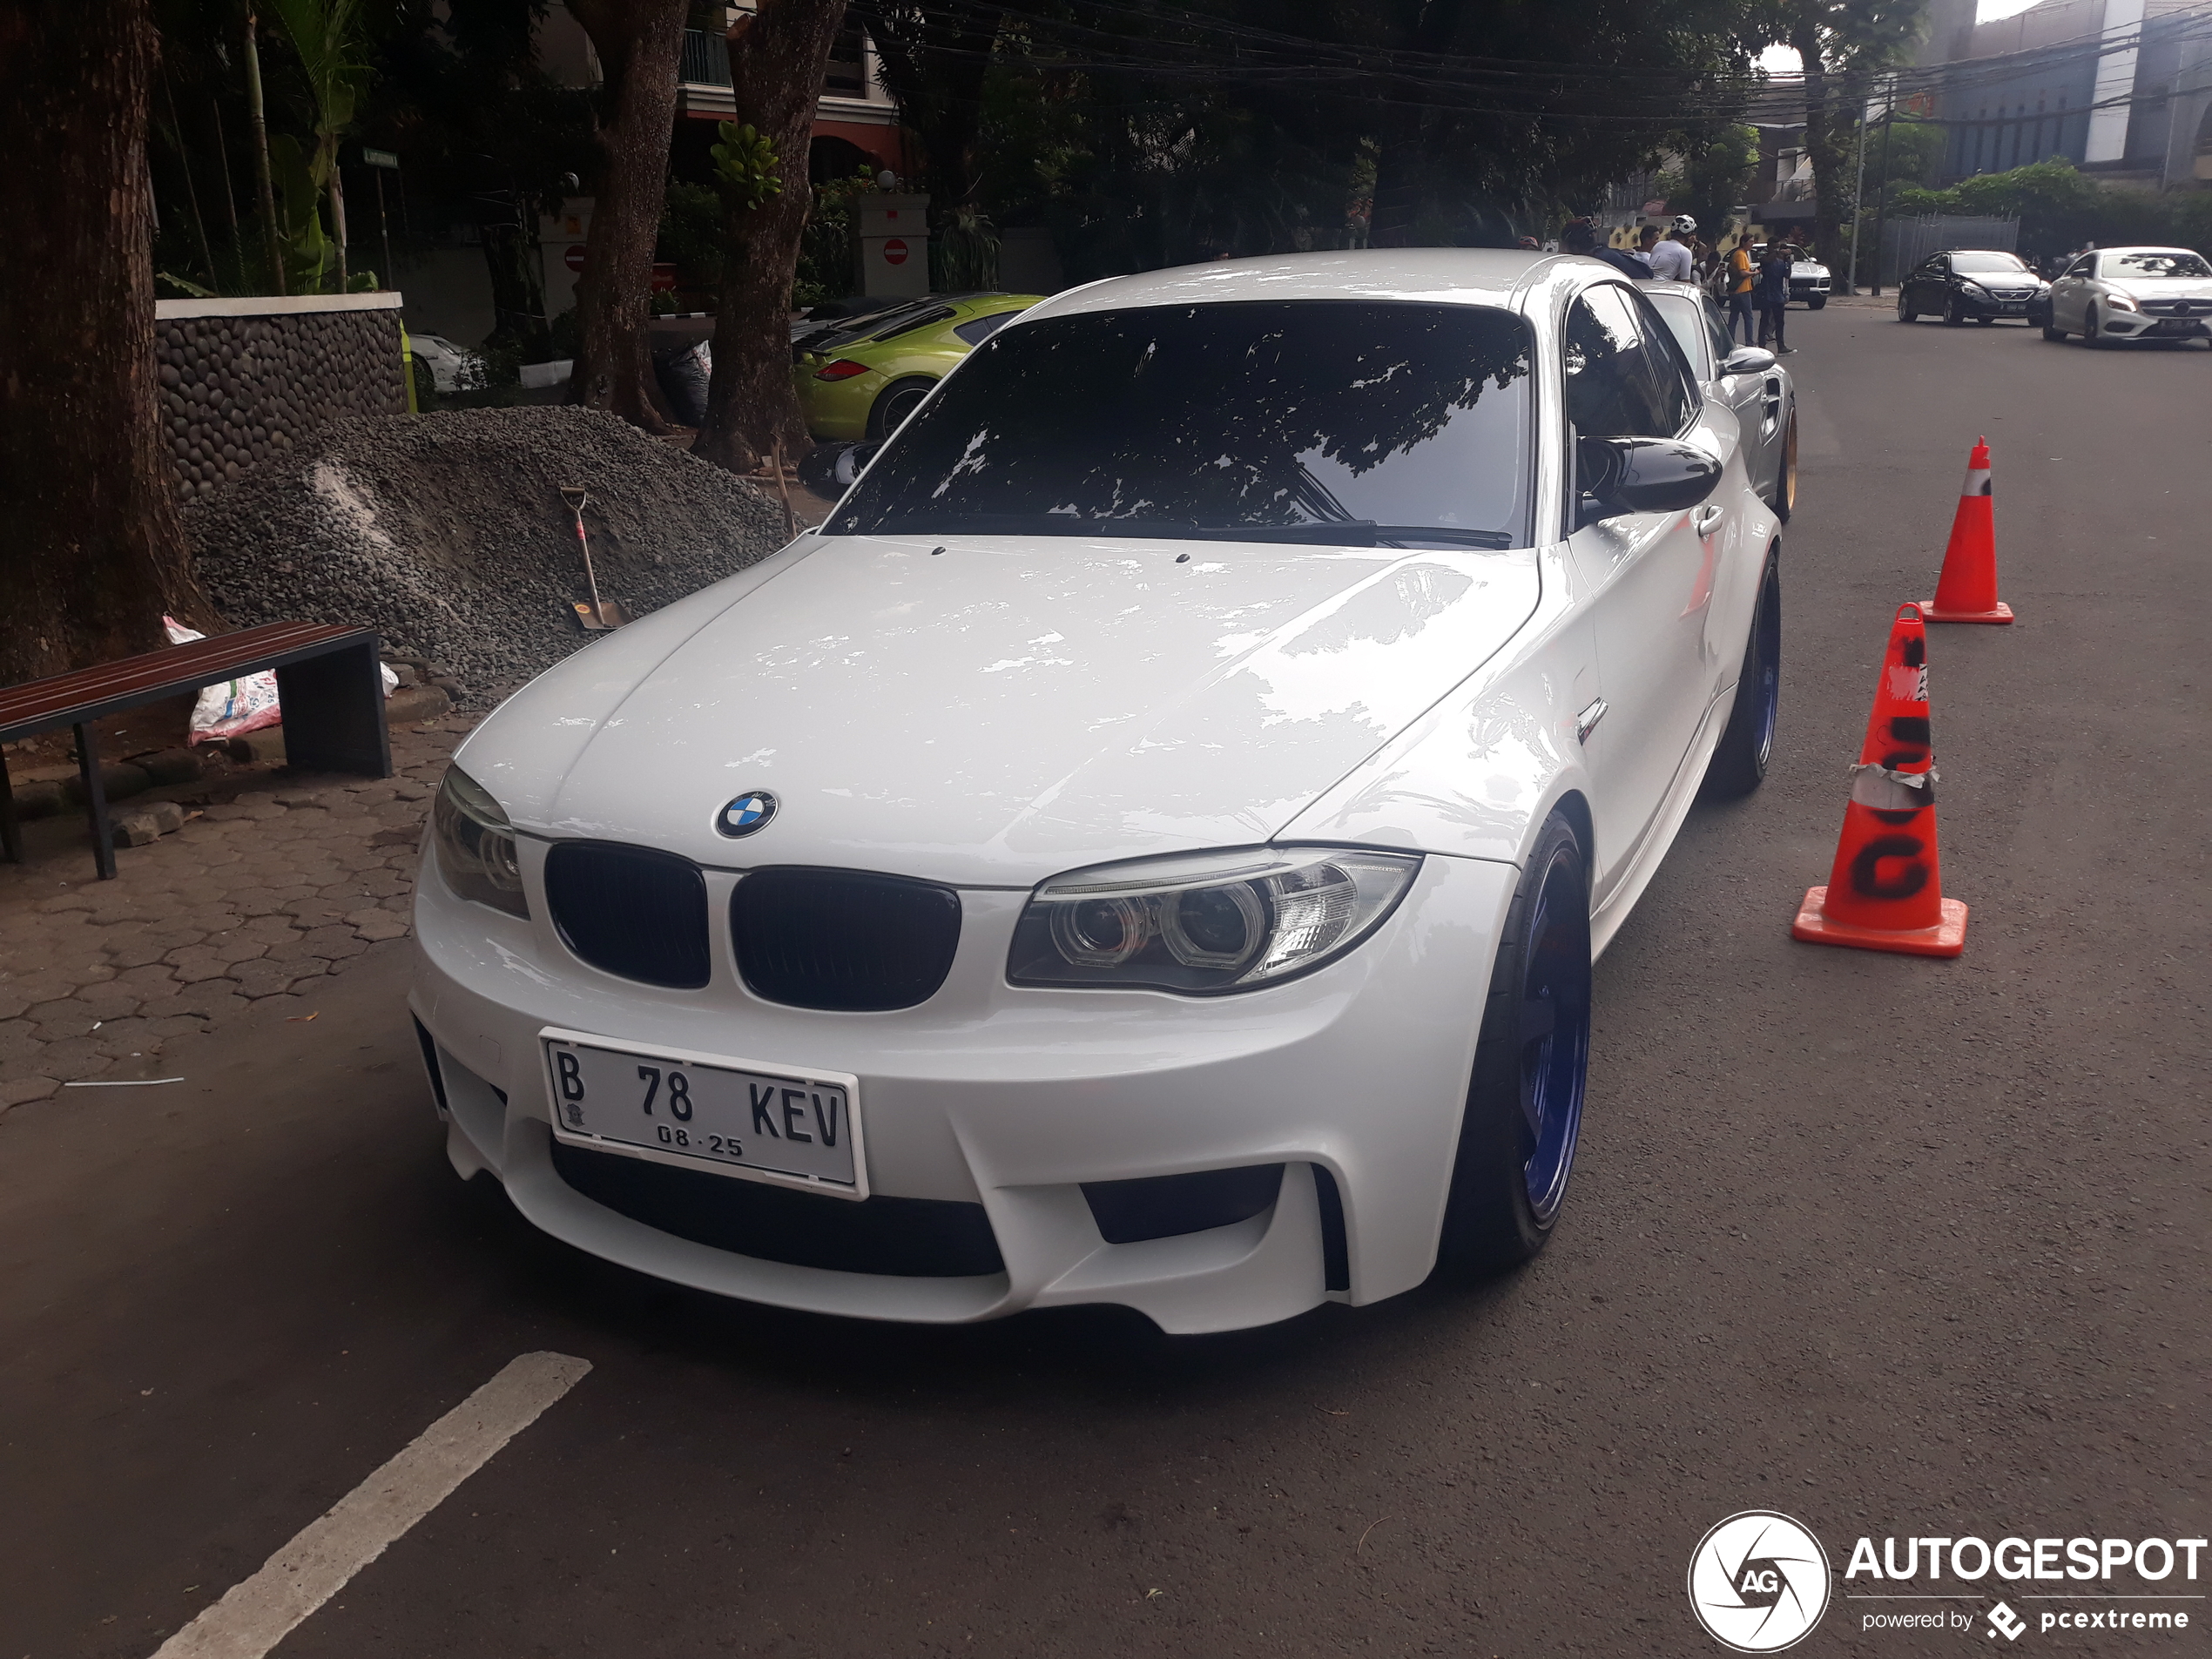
(1858, 198)
(1882, 214)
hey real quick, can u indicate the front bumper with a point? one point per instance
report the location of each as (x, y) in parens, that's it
(1353, 1078)
(2145, 325)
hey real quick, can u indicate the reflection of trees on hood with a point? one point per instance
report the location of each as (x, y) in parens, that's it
(1224, 410)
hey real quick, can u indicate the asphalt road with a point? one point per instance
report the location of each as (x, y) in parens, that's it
(1892, 1245)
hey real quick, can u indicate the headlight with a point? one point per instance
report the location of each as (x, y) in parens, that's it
(1206, 923)
(1975, 289)
(2120, 302)
(475, 845)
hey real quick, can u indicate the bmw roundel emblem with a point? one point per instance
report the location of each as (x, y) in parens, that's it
(747, 813)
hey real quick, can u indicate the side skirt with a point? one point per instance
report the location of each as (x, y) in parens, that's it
(1606, 919)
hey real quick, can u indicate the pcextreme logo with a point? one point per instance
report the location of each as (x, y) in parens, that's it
(1758, 1581)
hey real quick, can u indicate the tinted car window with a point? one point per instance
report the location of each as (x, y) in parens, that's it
(906, 325)
(1244, 421)
(2084, 267)
(976, 330)
(1979, 263)
(1723, 343)
(1624, 379)
(2151, 266)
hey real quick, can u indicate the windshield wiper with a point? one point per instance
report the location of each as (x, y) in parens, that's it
(1349, 532)
(1355, 532)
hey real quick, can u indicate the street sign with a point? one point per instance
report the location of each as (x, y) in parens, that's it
(383, 158)
(895, 251)
(574, 258)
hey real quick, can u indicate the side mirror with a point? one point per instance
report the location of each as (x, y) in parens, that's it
(1646, 474)
(1748, 359)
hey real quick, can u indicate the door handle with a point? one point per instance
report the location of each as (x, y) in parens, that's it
(1706, 519)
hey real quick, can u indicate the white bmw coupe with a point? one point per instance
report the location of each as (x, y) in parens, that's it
(1149, 846)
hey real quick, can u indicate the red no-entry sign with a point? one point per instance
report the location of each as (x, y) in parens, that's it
(574, 258)
(895, 251)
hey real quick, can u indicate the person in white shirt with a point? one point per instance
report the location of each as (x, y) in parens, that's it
(1671, 259)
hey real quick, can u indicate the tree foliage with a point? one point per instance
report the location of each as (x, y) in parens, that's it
(2059, 209)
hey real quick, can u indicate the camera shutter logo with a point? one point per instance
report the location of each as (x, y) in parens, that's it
(1758, 1581)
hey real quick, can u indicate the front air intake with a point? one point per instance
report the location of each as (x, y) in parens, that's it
(630, 912)
(843, 940)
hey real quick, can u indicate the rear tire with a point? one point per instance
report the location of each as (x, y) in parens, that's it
(1740, 759)
(895, 403)
(1524, 1111)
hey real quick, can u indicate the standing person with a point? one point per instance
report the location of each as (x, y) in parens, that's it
(1670, 260)
(1740, 280)
(1647, 239)
(1774, 295)
(1579, 236)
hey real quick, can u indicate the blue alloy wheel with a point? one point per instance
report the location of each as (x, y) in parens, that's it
(1554, 1036)
(1524, 1109)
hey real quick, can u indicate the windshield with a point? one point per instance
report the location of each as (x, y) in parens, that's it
(1317, 419)
(1983, 263)
(2155, 266)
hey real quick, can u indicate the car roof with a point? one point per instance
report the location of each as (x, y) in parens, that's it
(2145, 248)
(1661, 285)
(1477, 276)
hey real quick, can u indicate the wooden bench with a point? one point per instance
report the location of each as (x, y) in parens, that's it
(328, 683)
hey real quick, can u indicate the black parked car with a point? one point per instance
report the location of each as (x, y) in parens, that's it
(1970, 284)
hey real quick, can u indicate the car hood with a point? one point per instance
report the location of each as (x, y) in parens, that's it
(2161, 288)
(1808, 268)
(987, 711)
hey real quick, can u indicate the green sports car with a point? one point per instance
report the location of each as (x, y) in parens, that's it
(860, 377)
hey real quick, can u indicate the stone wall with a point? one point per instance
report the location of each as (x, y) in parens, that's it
(243, 378)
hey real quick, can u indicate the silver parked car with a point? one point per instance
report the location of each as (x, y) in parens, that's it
(1747, 379)
(2115, 293)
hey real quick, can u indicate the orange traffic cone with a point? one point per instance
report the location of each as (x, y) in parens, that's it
(1967, 590)
(1886, 892)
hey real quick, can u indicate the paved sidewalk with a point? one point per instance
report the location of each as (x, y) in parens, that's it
(280, 878)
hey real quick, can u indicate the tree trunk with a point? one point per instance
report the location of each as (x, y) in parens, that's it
(93, 550)
(776, 60)
(640, 44)
(338, 218)
(264, 188)
(1830, 159)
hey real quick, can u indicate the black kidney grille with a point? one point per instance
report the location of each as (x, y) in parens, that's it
(630, 911)
(838, 938)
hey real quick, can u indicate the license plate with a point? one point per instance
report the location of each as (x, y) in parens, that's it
(739, 1118)
(2015, 305)
(2176, 326)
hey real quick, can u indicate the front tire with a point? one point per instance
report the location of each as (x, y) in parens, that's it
(1817, 302)
(1905, 313)
(1524, 1111)
(1953, 316)
(2052, 332)
(2090, 325)
(1739, 762)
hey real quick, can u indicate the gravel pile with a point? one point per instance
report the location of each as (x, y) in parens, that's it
(447, 533)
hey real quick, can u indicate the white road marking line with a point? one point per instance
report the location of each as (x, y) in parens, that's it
(125, 1083)
(260, 1612)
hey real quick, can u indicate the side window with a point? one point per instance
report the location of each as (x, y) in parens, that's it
(2084, 267)
(1723, 345)
(1624, 378)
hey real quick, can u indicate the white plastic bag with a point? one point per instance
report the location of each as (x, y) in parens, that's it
(229, 708)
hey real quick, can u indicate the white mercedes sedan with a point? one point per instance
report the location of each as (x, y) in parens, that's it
(1149, 846)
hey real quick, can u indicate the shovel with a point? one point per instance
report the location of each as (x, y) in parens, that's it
(595, 615)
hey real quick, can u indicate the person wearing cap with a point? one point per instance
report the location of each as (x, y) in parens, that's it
(1670, 260)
